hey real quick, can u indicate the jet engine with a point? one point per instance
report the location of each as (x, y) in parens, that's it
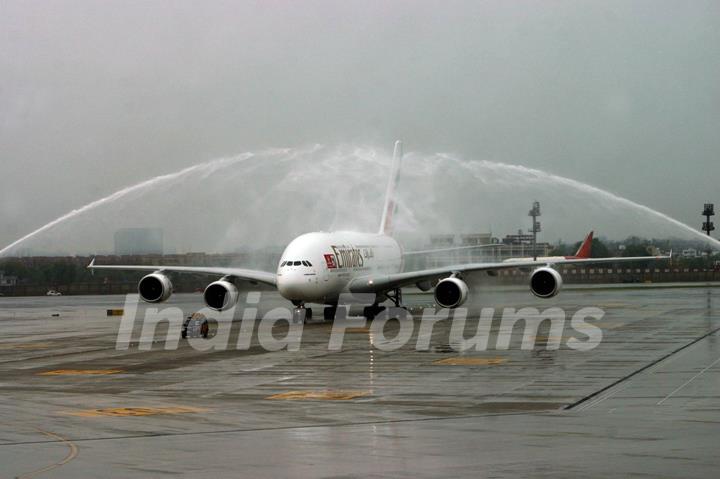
(545, 282)
(220, 295)
(451, 292)
(155, 288)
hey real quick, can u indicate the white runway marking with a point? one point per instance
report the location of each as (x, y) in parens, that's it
(688, 382)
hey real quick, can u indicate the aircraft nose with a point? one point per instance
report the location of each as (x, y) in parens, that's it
(290, 285)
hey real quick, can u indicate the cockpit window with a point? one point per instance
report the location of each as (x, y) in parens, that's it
(296, 263)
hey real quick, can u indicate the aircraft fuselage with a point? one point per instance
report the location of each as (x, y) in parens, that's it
(317, 267)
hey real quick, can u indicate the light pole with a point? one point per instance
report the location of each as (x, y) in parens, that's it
(708, 211)
(534, 213)
(708, 226)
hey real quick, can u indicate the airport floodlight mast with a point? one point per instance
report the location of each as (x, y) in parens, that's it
(708, 226)
(534, 213)
(708, 211)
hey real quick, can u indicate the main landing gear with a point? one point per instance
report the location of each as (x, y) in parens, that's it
(195, 326)
(303, 314)
(394, 295)
(329, 312)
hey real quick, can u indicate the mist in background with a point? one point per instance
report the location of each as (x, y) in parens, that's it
(96, 96)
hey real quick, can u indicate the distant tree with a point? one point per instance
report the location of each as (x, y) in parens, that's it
(599, 249)
(561, 249)
(13, 267)
(636, 249)
(60, 272)
(634, 240)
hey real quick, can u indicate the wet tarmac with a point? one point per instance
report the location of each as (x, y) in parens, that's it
(644, 402)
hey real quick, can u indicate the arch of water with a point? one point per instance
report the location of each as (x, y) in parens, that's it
(267, 197)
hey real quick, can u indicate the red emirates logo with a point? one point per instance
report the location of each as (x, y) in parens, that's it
(330, 261)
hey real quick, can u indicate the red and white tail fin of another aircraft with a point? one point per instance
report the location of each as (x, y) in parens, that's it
(584, 249)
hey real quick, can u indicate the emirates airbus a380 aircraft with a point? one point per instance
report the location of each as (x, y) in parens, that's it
(319, 267)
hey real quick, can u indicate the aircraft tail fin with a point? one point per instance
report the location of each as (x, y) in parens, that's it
(390, 205)
(585, 248)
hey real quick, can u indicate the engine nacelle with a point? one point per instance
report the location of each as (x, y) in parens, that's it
(451, 292)
(545, 282)
(155, 288)
(220, 295)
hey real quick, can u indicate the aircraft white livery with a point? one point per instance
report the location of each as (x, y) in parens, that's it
(319, 267)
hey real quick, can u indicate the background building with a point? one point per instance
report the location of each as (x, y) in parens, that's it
(6, 280)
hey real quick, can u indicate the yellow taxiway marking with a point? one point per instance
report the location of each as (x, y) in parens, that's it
(80, 372)
(135, 411)
(115, 312)
(336, 395)
(72, 454)
(460, 361)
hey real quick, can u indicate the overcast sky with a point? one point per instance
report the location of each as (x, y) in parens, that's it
(95, 96)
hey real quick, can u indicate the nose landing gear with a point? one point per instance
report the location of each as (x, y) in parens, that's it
(301, 314)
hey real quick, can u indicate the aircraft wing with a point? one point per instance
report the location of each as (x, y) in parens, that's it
(446, 250)
(381, 283)
(250, 275)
